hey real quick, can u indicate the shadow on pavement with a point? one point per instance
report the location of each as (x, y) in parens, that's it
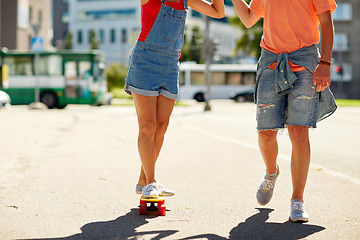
(121, 228)
(256, 227)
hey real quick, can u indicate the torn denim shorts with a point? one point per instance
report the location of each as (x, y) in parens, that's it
(297, 107)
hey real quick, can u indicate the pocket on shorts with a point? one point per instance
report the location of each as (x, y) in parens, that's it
(135, 56)
(170, 27)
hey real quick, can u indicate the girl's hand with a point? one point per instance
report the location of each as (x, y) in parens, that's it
(214, 9)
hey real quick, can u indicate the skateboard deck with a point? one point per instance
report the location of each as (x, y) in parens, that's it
(152, 204)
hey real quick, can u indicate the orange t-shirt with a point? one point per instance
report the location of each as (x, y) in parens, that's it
(290, 24)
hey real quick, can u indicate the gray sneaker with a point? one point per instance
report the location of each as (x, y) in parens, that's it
(297, 211)
(163, 191)
(266, 188)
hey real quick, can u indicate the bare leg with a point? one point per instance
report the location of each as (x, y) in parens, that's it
(269, 149)
(300, 159)
(153, 117)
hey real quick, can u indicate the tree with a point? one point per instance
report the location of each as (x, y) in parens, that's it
(115, 75)
(249, 42)
(192, 49)
(68, 41)
(94, 43)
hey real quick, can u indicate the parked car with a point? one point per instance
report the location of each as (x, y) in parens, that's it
(244, 97)
(4, 99)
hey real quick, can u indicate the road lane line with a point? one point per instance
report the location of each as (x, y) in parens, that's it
(282, 156)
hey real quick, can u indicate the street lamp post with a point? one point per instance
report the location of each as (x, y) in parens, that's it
(36, 29)
(207, 56)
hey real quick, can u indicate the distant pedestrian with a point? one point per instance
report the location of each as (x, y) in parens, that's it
(292, 84)
(153, 77)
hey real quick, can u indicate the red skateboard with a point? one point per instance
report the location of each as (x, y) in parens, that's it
(152, 204)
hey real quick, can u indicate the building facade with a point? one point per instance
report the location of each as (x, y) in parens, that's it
(346, 50)
(22, 19)
(221, 32)
(116, 23)
(60, 16)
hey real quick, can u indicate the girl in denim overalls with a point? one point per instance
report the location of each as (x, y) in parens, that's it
(152, 79)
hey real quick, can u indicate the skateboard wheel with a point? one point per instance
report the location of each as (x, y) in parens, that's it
(143, 209)
(161, 208)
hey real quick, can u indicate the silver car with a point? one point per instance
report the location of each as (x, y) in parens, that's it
(4, 100)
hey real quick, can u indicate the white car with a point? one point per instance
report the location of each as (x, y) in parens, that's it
(4, 99)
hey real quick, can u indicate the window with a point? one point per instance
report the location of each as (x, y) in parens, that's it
(30, 14)
(19, 65)
(124, 35)
(49, 65)
(113, 14)
(65, 17)
(89, 36)
(112, 36)
(80, 37)
(343, 12)
(341, 42)
(102, 36)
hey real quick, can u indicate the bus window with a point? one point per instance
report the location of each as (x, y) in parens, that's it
(249, 78)
(182, 78)
(19, 65)
(197, 78)
(49, 65)
(54, 65)
(98, 71)
(84, 77)
(234, 78)
(70, 79)
(218, 78)
(84, 70)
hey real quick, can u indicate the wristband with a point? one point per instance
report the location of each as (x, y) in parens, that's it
(325, 62)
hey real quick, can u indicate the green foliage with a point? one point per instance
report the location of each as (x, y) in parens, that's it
(94, 43)
(115, 75)
(192, 49)
(249, 42)
(68, 41)
(348, 102)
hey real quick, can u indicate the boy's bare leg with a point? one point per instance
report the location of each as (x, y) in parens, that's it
(269, 149)
(300, 159)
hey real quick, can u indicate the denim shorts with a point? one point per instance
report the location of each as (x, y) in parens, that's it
(153, 72)
(298, 107)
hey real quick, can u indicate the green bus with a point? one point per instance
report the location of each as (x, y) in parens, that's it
(61, 77)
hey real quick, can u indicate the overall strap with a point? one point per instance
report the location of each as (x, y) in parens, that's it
(186, 4)
(163, 1)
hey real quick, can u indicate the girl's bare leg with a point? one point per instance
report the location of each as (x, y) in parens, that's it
(153, 117)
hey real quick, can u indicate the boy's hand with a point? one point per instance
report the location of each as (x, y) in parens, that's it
(322, 77)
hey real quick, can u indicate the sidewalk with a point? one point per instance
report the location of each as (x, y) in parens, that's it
(71, 174)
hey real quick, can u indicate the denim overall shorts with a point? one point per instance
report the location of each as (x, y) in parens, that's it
(154, 64)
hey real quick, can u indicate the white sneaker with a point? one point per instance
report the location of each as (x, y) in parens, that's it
(164, 192)
(297, 211)
(151, 190)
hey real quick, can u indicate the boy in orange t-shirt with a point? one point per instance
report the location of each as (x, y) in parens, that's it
(290, 76)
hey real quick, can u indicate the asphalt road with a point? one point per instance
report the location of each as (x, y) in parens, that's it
(71, 174)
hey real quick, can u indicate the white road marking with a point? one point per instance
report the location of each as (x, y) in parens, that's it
(282, 156)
